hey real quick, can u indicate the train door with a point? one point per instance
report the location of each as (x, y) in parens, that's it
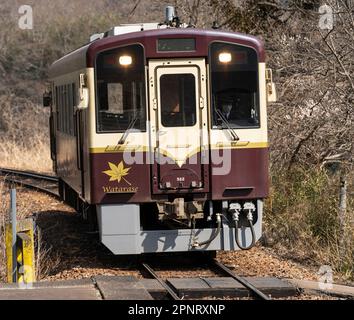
(179, 126)
(80, 132)
(80, 118)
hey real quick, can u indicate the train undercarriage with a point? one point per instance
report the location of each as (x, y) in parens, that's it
(175, 226)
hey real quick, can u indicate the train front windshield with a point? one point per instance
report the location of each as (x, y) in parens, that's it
(121, 94)
(234, 85)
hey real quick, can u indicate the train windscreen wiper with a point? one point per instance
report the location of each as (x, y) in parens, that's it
(234, 135)
(127, 131)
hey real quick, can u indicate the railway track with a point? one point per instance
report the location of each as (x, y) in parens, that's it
(215, 265)
(32, 180)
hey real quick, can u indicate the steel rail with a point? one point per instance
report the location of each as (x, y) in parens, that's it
(14, 176)
(169, 290)
(241, 280)
(33, 186)
(28, 174)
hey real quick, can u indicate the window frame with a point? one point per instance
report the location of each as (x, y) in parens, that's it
(146, 103)
(210, 86)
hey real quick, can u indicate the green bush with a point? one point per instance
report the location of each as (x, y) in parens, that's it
(301, 218)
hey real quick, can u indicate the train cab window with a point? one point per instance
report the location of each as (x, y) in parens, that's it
(120, 87)
(178, 107)
(234, 86)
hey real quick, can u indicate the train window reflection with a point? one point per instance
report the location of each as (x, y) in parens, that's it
(121, 90)
(178, 106)
(234, 86)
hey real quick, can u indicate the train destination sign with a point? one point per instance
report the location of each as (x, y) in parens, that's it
(181, 44)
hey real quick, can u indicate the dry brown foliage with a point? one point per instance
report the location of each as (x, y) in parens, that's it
(312, 124)
(24, 137)
(3, 221)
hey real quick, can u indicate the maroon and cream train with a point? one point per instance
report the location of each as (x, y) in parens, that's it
(162, 133)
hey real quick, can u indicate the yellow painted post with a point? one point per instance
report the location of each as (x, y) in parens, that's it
(8, 240)
(25, 252)
(26, 246)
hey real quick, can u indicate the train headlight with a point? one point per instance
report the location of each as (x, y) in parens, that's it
(225, 57)
(125, 60)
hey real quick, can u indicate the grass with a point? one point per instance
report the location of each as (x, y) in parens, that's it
(302, 222)
(24, 136)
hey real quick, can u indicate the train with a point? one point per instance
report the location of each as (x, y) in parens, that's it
(158, 133)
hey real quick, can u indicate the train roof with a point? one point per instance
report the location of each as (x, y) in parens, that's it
(85, 56)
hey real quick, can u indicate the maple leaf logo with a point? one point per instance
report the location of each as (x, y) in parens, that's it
(117, 172)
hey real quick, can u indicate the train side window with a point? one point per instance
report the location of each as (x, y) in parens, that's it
(73, 88)
(120, 85)
(67, 109)
(65, 113)
(234, 86)
(61, 109)
(65, 101)
(57, 105)
(71, 110)
(58, 108)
